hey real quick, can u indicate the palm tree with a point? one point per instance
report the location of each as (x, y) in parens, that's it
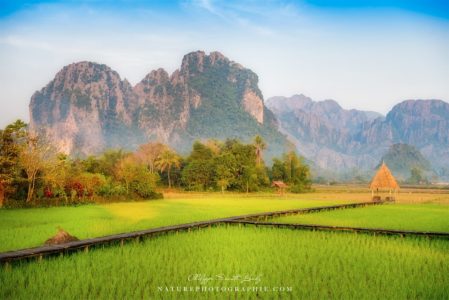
(166, 160)
(260, 145)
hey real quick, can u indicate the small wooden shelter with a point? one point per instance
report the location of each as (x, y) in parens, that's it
(383, 181)
(280, 185)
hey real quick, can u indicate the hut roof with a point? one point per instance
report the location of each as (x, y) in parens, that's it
(279, 184)
(384, 179)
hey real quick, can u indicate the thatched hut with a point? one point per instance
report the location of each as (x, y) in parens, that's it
(280, 185)
(383, 181)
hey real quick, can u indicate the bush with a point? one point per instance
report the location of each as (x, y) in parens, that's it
(145, 191)
(111, 189)
(300, 188)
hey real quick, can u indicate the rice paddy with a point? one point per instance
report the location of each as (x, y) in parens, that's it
(213, 263)
(418, 217)
(233, 261)
(24, 228)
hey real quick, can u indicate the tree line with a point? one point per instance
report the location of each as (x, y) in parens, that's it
(33, 172)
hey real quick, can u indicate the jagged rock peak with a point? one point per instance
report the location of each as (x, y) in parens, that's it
(196, 61)
(81, 106)
(85, 72)
(331, 104)
(422, 107)
(158, 76)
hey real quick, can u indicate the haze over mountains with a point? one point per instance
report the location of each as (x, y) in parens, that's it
(339, 139)
(402, 158)
(88, 108)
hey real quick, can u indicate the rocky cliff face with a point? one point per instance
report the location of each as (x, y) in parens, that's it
(83, 107)
(328, 111)
(87, 108)
(415, 122)
(421, 123)
(322, 131)
(349, 139)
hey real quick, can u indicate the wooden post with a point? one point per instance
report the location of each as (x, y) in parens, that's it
(121, 243)
(86, 249)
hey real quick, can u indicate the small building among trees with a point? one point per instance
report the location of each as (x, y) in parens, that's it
(280, 185)
(383, 181)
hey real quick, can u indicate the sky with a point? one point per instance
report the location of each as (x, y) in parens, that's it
(366, 55)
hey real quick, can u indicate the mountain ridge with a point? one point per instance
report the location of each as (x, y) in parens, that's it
(87, 107)
(361, 141)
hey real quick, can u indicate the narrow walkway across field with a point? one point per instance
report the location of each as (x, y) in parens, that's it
(250, 219)
(343, 228)
(40, 252)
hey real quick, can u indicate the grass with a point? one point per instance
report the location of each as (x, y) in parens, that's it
(408, 195)
(315, 265)
(419, 217)
(22, 228)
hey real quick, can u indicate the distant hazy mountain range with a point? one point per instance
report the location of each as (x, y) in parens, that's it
(402, 158)
(87, 108)
(339, 139)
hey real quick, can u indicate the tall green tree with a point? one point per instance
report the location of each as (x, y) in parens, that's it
(11, 139)
(125, 171)
(57, 173)
(108, 161)
(278, 170)
(260, 146)
(35, 155)
(149, 153)
(166, 161)
(245, 173)
(198, 174)
(293, 171)
(225, 167)
(137, 178)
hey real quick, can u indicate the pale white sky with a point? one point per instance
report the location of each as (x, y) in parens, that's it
(364, 58)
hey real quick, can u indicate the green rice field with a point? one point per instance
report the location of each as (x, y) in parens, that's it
(23, 228)
(230, 262)
(233, 261)
(419, 217)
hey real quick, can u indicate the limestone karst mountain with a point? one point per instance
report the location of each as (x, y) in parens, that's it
(335, 138)
(87, 107)
(402, 158)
